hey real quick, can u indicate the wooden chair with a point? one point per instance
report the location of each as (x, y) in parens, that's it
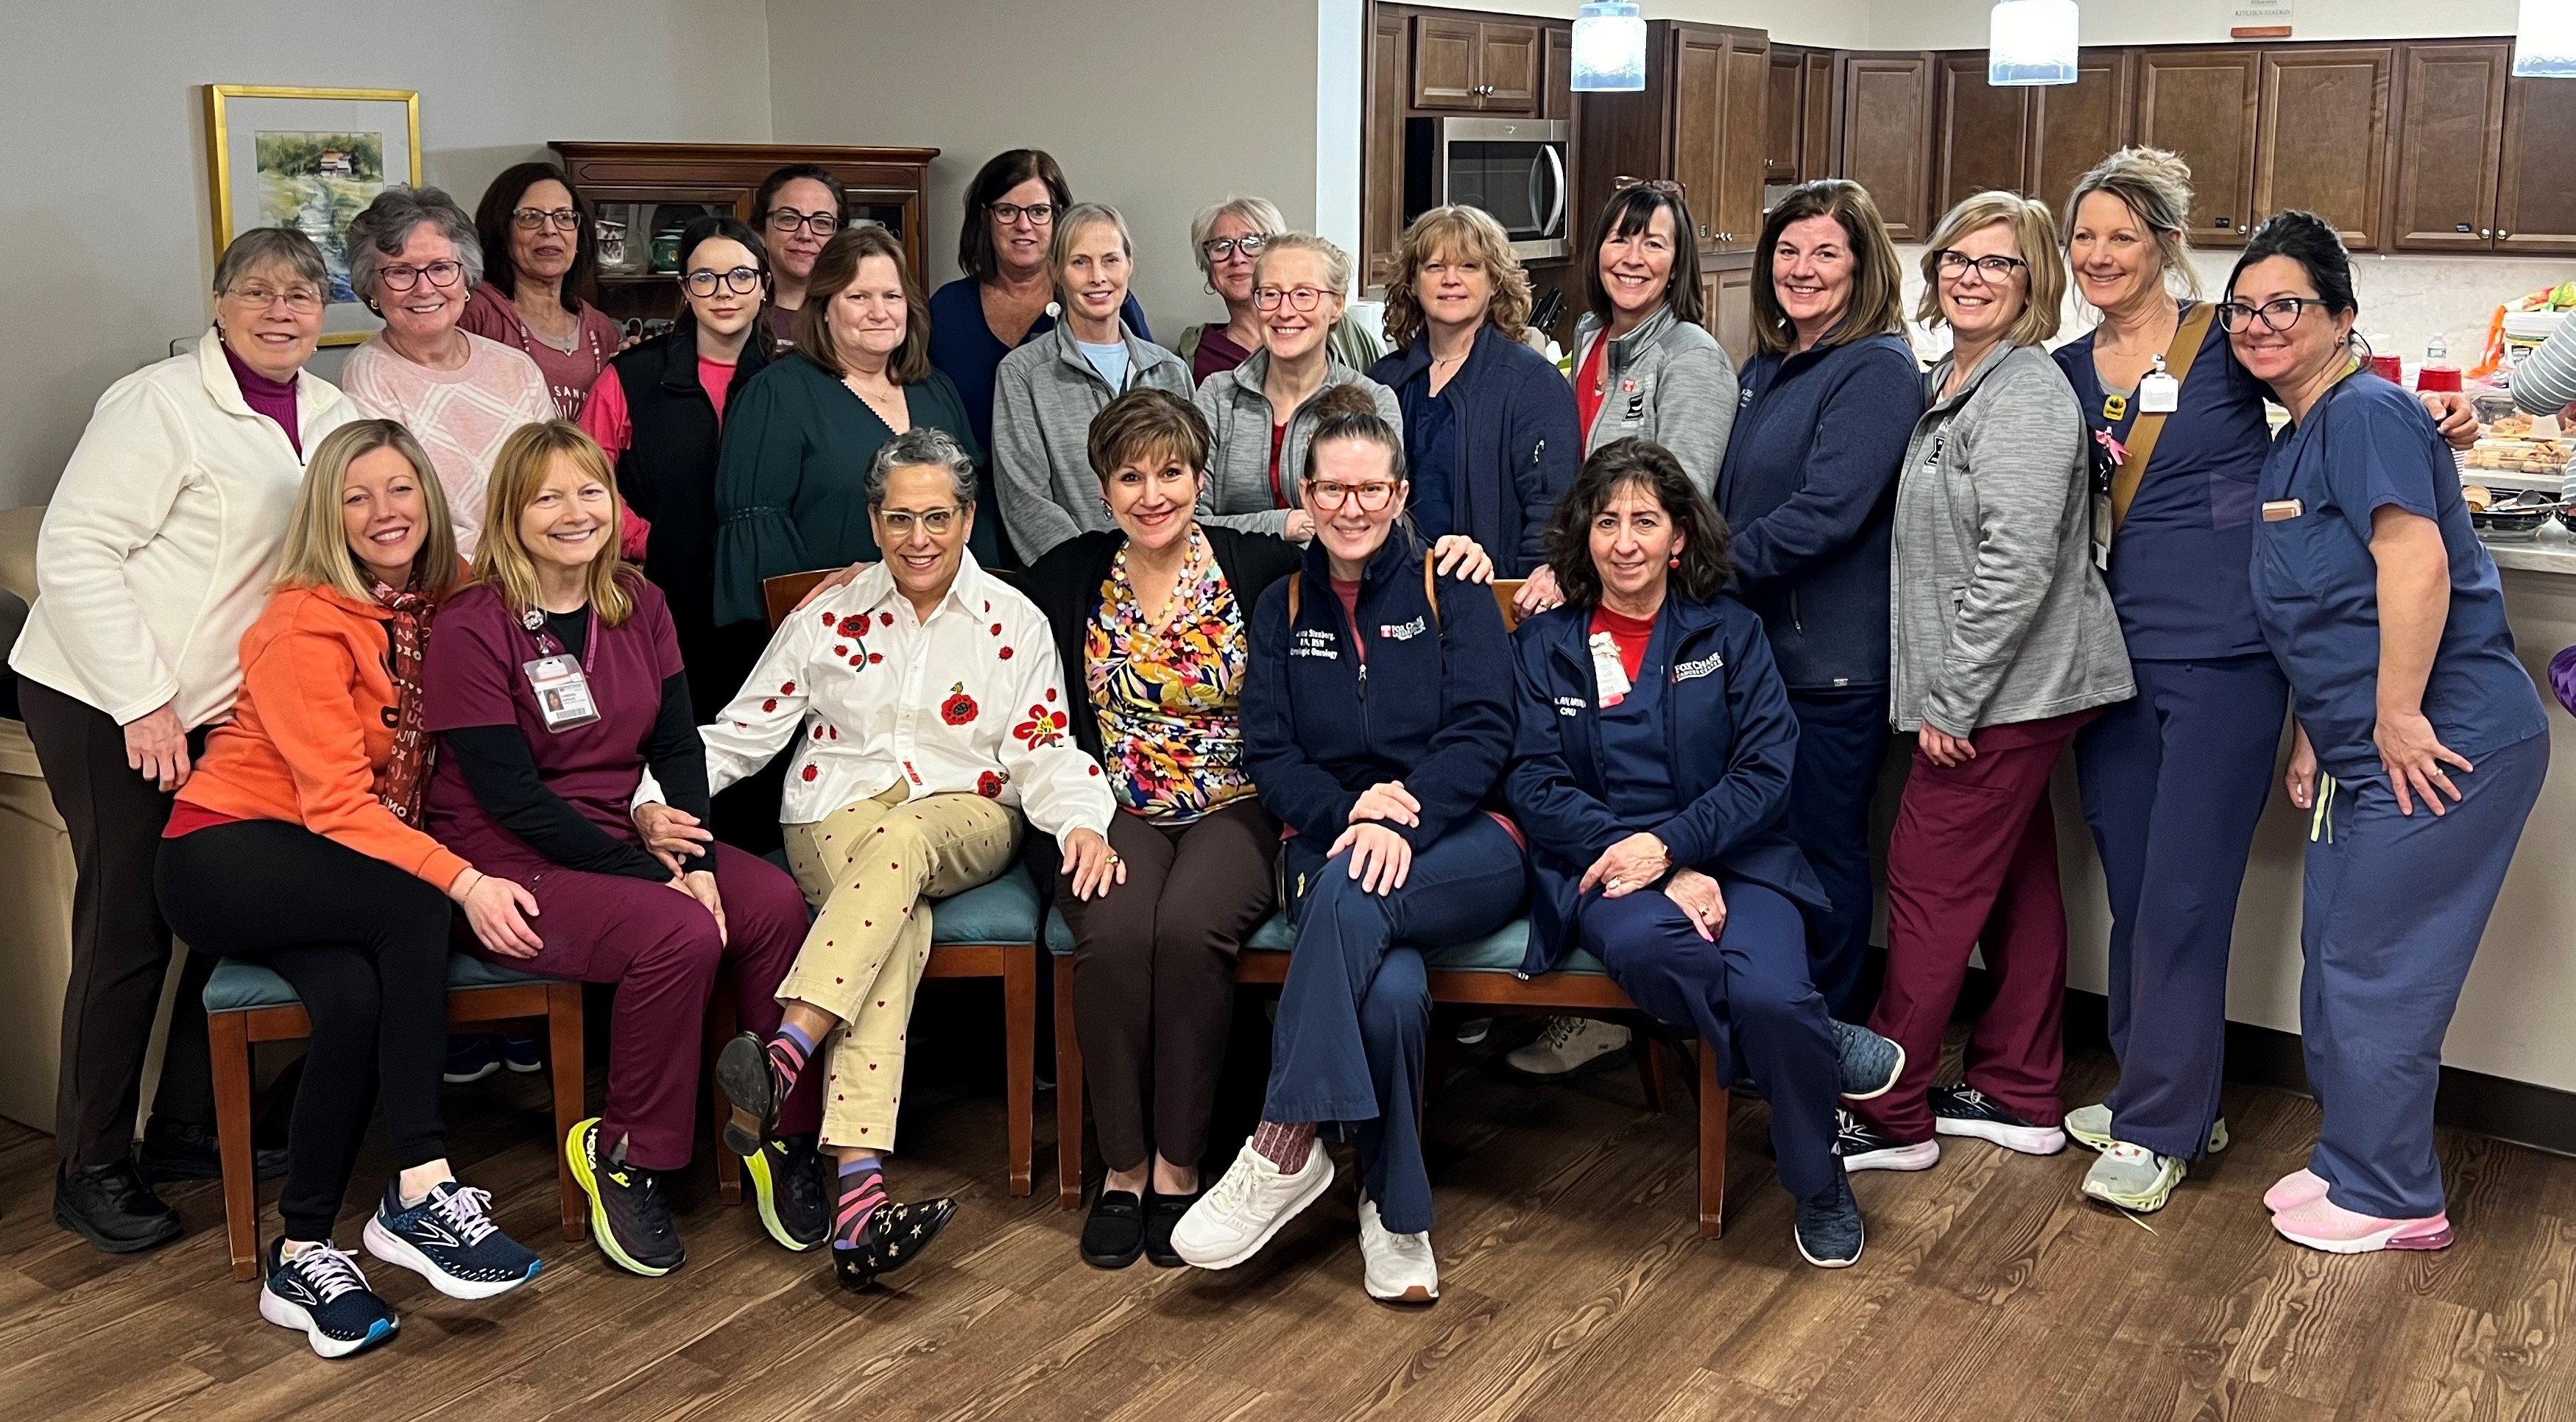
(1484, 974)
(990, 931)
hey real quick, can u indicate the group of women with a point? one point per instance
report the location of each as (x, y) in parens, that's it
(1250, 664)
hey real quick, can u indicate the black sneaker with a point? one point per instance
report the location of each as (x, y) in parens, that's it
(1863, 1147)
(469, 1059)
(630, 1218)
(1962, 1110)
(751, 1082)
(1828, 1230)
(191, 1152)
(521, 1055)
(787, 1180)
(111, 1207)
(896, 1235)
(1114, 1235)
(321, 1291)
(450, 1240)
(1162, 1215)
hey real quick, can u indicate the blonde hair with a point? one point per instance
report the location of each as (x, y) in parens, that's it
(1068, 230)
(518, 476)
(317, 552)
(1337, 263)
(1463, 234)
(2155, 185)
(2034, 232)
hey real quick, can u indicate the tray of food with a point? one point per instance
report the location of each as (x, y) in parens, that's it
(2521, 455)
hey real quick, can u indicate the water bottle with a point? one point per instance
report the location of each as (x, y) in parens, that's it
(2437, 372)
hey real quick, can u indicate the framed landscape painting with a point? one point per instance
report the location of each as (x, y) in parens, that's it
(309, 159)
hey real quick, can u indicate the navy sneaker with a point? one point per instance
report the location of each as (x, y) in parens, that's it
(520, 1054)
(787, 1182)
(450, 1240)
(1827, 1230)
(1962, 1110)
(1870, 1063)
(469, 1059)
(321, 1291)
(1863, 1147)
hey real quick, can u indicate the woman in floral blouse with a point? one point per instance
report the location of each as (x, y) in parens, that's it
(1149, 618)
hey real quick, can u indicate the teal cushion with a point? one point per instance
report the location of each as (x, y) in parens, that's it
(1498, 952)
(1003, 911)
(238, 986)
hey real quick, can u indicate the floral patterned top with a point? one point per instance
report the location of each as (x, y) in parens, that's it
(1171, 730)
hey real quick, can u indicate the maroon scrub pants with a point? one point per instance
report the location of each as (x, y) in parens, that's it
(1973, 861)
(660, 949)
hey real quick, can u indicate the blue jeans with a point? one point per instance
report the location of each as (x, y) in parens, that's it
(1356, 1008)
(1842, 741)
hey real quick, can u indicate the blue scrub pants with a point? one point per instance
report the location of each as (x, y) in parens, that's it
(1749, 997)
(1842, 741)
(2394, 909)
(1356, 1009)
(2174, 780)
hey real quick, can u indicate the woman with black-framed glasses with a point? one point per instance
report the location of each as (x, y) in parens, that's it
(540, 255)
(797, 210)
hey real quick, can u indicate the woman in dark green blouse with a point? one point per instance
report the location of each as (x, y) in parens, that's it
(790, 492)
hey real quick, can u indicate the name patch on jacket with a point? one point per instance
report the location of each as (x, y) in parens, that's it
(1402, 631)
(1571, 706)
(1686, 671)
(1309, 642)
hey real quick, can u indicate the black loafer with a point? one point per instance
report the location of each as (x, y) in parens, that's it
(1163, 1215)
(1115, 1233)
(191, 1152)
(896, 1236)
(111, 1207)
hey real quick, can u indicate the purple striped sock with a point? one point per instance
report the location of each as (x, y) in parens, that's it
(862, 1190)
(789, 1050)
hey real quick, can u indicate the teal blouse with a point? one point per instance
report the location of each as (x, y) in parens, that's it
(791, 482)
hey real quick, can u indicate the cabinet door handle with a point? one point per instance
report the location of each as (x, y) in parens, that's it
(1703, 229)
(2501, 234)
(2484, 232)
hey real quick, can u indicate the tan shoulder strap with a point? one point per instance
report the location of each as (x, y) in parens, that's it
(2143, 435)
(1296, 584)
(1431, 592)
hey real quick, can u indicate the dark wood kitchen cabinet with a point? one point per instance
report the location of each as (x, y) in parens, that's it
(2078, 125)
(1985, 139)
(1699, 122)
(1477, 66)
(1888, 100)
(2201, 103)
(2448, 146)
(2535, 193)
(2322, 137)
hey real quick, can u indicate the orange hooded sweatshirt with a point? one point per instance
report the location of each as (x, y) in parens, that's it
(312, 732)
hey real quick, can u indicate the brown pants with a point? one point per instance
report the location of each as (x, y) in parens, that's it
(1153, 974)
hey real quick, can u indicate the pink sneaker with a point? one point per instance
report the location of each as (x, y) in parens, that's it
(2294, 1189)
(2323, 1224)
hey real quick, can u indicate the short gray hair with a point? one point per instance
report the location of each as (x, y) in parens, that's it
(922, 447)
(381, 230)
(1259, 213)
(263, 247)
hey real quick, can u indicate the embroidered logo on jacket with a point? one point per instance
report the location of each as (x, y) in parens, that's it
(1571, 705)
(1309, 642)
(1685, 671)
(1402, 631)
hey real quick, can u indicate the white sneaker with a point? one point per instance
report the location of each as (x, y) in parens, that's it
(1246, 1206)
(1568, 1045)
(1396, 1268)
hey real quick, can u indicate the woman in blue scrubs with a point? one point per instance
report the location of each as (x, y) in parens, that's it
(2174, 779)
(2421, 743)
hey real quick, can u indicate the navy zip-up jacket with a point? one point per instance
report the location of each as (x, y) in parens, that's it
(1519, 443)
(1809, 488)
(1730, 743)
(1432, 705)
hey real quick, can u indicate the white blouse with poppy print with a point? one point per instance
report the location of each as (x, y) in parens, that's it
(971, 700)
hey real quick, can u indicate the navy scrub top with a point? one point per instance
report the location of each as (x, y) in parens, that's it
(2366, 445)
(1430, 457)
(2179, 562)
(1636, 759)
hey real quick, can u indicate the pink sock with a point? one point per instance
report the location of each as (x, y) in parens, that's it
(1284, 1145)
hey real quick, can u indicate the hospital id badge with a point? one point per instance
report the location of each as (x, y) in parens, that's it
(1608, 676)
(562, 692)
(2158, 393)
(2102, 529)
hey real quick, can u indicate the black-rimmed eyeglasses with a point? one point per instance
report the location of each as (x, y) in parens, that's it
(1039, 214)
(1996, 268)
(2278, 314)
(1219, 249)
(741, 280)
(788, 219)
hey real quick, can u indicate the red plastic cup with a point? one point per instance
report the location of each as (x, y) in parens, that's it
(2432, 377)
(2388, 368)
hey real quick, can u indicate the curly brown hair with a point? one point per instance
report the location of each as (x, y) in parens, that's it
(1462, 234)
(1642, 464)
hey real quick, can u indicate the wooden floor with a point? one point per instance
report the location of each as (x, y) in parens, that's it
(1573, 1287)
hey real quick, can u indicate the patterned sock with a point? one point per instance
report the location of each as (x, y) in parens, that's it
(789, 1050)
(862, 1191)
(1284, 1145)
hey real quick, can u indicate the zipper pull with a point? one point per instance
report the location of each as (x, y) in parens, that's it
(1363, 681)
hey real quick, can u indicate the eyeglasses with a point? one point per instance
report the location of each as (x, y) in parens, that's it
(1995, 269)
(1039, 214)
(2279, 314)
(405, 278)
(1302, 298)
(1327, 495)
(302, 300)
(1219, 249)
(898, 523)
(742, 280)
(788, 219)
(561, 219)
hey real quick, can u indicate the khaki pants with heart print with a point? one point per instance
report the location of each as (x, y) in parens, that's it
(863, 958)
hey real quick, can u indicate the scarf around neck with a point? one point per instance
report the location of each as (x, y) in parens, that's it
(405, 778)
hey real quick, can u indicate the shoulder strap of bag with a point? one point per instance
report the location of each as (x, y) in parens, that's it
(2143, 435)
(1431, 592)
(1296, 585)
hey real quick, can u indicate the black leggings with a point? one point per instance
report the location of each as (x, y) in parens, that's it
(365, 946)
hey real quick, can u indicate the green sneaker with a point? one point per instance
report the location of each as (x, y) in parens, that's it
(2133, 1178)
(2091, 1128)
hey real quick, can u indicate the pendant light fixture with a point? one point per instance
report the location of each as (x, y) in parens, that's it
(2544, 40)
(1609, 48)
(2033, 42)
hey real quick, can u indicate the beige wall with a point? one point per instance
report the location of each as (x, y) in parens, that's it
(1961, 24)
(103, 179)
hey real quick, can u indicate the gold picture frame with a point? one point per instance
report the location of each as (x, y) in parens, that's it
(280, 155)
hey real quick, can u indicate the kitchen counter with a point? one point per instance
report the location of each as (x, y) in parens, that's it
(2553, 551)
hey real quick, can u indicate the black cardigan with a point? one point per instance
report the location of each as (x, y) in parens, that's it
(1065, 584)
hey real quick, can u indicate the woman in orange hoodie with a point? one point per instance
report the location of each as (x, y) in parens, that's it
(295, 846)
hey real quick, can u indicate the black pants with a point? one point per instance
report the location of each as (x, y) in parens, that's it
(120, 945)
(365, 945)
(719, 660)
(1842, 741)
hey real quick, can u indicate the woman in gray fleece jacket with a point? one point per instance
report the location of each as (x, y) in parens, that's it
(1644, 364)
(2004, 645)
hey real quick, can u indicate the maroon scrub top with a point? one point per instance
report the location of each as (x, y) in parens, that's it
(474, 677)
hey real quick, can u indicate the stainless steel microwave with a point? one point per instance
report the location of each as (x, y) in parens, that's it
(1514, 169)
